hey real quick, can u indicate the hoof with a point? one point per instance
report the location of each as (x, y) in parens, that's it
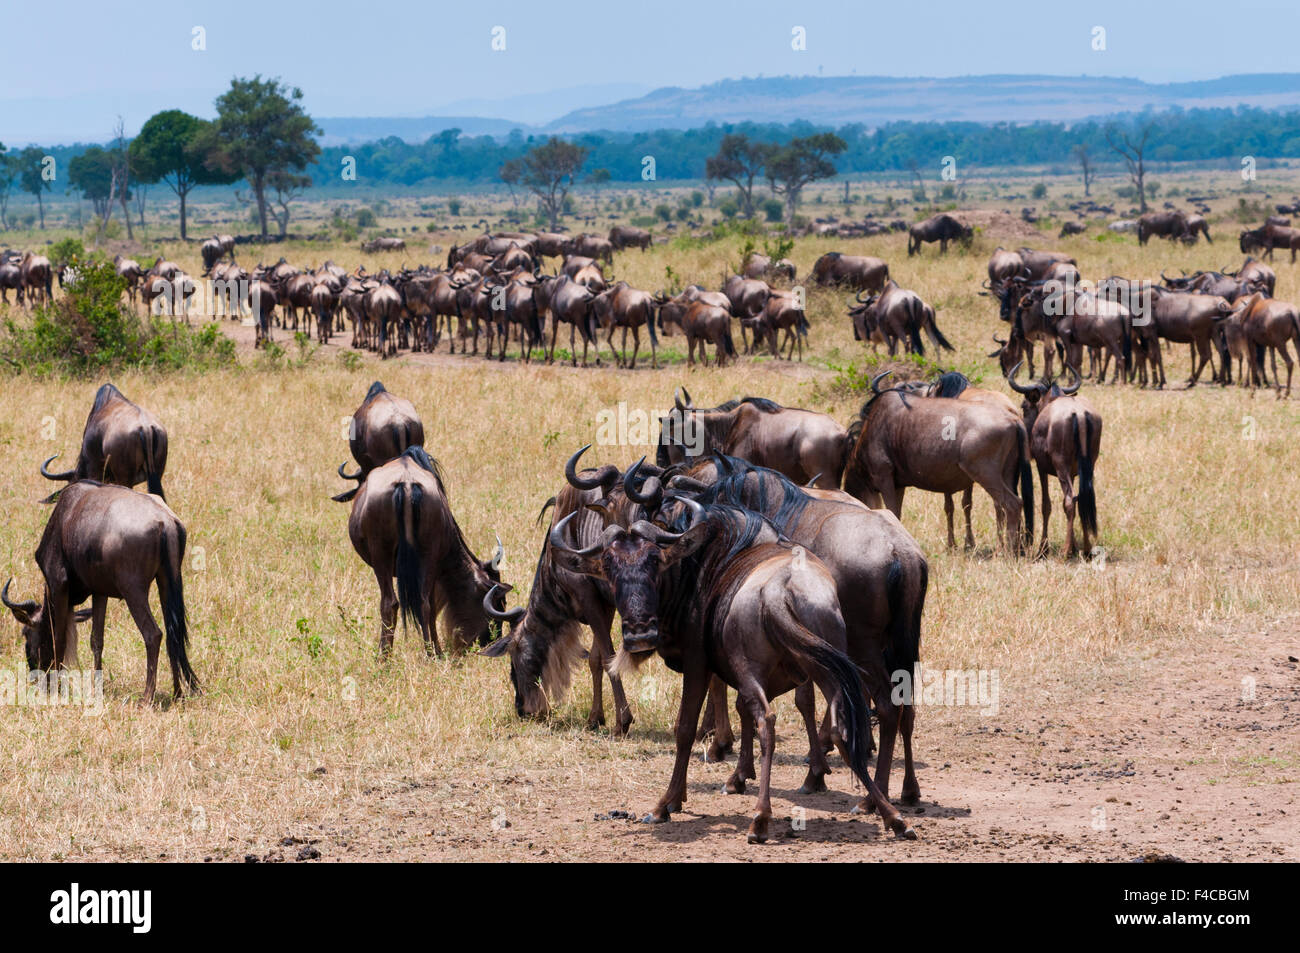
(714, 754)
(734, 785)
(654, 819)
(757, 830)
(813, 784)
(862, 807)
(907, 833)
(910, 798)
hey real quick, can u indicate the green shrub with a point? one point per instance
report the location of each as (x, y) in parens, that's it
(1039, 190)
(88, 331)
(366, 218)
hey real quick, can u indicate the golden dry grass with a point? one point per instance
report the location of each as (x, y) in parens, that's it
(1200, 526)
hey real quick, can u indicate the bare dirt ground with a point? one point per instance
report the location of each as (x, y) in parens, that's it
(1149, 757)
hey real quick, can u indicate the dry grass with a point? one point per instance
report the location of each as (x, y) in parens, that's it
(1200, 526)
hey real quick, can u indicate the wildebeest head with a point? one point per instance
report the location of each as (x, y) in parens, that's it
(38, 636)
(1038, 394)
(632, 560)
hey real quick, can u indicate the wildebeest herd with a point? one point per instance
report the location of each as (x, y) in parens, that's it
(761, 551)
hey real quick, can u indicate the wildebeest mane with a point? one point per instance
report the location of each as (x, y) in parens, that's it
(376, 388)
(729, 489)
(761, 403)
(102, 396)
(950, 384)
(420, 457)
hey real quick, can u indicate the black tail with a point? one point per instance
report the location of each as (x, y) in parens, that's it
(727, 344)
(914, 336)
(936, 336)
(803, 325)
(149, 443)
(409, 571)
(173, 608)
(1087, 492)
(1026, 485)
(903, 632)
(1126, 346)
(650, 323)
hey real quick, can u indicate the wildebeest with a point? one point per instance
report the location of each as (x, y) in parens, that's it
(402, 526)
(37, 277)
(214, 248)
(1169, 225)
(1190, 319)
(941, 228)
(943, 445)
(108, 542)
(881, 580)
(761, 267)
(1197, 225)
(1268, 324)
(628, 236)
(702, 323)
(802, 444)
(386, 243)
(382, 429)
(726, 596)
(859, 272)
(622, 306)
(1037, 264)
(591, 246)
(783, 312)
(894, 315)
(570, 303)
(122, 444)
(1065, 439)
(1004, 265)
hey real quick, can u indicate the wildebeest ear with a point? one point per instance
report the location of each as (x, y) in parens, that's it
(574, 561)
(498, 648)
(689, 542)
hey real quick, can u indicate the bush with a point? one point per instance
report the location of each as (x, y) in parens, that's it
(664, 212)
(66, 252)
(773, 210)
(729, 208)
(88, 331)
(453, 206)
(366, 218)
(1039, 191)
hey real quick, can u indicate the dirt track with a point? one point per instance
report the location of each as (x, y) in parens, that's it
(1150, 757)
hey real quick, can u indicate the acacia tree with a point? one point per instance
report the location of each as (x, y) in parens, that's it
(791, 167)
(1085, 162)
(261, 134)
(30, 177)
(1133, 150)
(91, 174)
(549, 171)
(7, 172)
(287, 187)
(174, 147)
(739, 161)
(512, 174)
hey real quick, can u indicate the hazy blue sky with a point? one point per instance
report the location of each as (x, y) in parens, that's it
(69, 68)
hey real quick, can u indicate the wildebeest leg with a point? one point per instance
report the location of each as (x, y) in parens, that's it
(1203, 347)
(892, 496)
(948, 512)
(636, 344)
(694, 686)
(911, 787)
(1068, 505)
(805, 700)
(98, 609)
(387, 609)
(717, 722)
(138, 604)
(745, 757)
(765, 721)
(967, 504)
(1047, 507)
(429, 607)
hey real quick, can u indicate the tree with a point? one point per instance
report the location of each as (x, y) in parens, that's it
(1132, 151)
(512, 173)
(791, 167)
(549, 171)
(31, 178)
(174, 147)
(287, 186)
(740, 162)
(7, 174)
(1085, 162)
(261, 132)
(91, 174)
(122, 173)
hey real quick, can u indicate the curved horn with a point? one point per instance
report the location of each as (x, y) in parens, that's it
(651, 493)
(1019, 389)
(677, 400)
(603, 478)
(65, 475)
(514, 615)
(813, 481)
(25, 608)
(659, 535)
(349, 476)
(1078, 380)
(690, 404)
(875, 381)
(556, 539)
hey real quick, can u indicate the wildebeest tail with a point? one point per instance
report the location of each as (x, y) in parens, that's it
(408, 569)
(149, 440)
(936, 336)
(803, 324)
(1126, 345)
(173, 609)
(1026, 482)
(1087, 491)
(728, 344)
(651, 318)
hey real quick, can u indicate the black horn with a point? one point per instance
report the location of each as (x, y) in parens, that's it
(513, 615)
(604, 478)
(65, 475)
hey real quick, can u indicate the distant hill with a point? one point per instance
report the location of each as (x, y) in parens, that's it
(875, 100)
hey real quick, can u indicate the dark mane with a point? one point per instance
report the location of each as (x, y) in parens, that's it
(102, 396)
(729, 489)
(376, 388)
(420, 457)
(761, 403)
(735, 527)
(950, 384)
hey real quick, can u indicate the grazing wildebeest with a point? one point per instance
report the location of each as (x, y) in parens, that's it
(1003, 266)
(543, 641)
(943, 445)
(11, 278)
(1268, 324)
(1168, 225)
(1197, 225)
(1279, 236)
(894, 315)
(37, 275)
(1039, 263)
(622, 306)
(382, 429)
(803, 444)
(108, 542)
(1065, 439)
(122, 444)
(1190, 319)
(628, 236)
(570, 303)
(881, 579)
(859, 272)
(591, 246)
(702, 323)
(129, 270)
(762, 268)
(783, 312)
(402, 526)
(941, 228)
(726, 596)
